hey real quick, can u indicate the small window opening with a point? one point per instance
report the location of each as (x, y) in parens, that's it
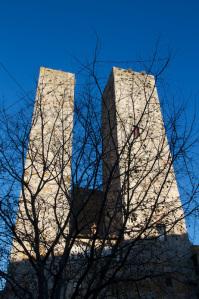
(136, 131)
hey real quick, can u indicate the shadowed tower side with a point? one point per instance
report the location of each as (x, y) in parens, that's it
(45, 196)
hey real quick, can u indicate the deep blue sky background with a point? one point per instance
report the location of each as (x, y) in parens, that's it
(50, 33)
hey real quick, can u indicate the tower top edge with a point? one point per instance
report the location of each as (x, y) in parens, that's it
(116, 70)
(118, 73)
(45, 71)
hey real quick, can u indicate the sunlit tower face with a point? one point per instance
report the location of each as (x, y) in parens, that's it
(137, 160)
(44, 200)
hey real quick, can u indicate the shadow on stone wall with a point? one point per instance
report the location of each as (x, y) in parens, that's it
(153, 268)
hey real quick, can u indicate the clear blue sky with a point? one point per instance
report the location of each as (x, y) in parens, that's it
(49, 33)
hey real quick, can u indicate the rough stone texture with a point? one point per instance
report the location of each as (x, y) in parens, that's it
(136, 147)
(133, 129)
(143, 194)
(47, 177)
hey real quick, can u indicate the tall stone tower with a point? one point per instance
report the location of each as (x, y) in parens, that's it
(131, 237)
(143, 206)
(142, 193)
(43, 205)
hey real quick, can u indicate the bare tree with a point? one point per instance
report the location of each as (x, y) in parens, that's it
(89, 202)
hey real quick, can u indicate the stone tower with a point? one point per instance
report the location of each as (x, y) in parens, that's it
(142, 199)
(43, 204)
(143, 190)
(139, 202)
